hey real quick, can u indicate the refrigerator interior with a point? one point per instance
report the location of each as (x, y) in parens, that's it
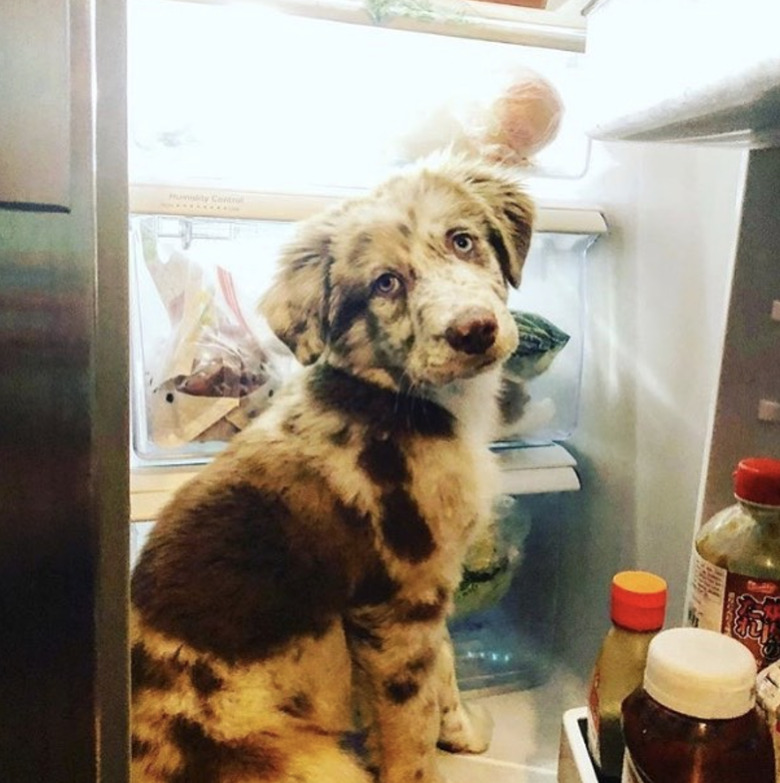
(677, 340)
(652, 330)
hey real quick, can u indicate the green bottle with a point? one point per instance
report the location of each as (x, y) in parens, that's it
(637, 610)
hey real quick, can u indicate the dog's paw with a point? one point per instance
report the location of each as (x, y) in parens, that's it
(466, 730)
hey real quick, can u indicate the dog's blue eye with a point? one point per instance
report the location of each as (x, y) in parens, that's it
(462, 243)
(387, 284)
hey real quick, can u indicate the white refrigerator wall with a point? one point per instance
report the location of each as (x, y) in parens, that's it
(658, 287)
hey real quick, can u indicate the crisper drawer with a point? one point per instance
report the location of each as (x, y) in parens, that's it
(205, 364)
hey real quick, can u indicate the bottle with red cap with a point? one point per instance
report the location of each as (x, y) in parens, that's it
(735, 574)
(637, 610)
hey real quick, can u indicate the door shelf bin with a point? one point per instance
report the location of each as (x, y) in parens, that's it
(574, 762)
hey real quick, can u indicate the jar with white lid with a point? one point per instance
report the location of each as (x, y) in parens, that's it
(694, 718)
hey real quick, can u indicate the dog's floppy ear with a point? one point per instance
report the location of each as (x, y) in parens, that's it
(511, 216)
(295, 305)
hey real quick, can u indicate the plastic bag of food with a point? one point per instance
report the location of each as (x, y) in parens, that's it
(540, 341)
(215, 371)
(493, 559)
(507, 119)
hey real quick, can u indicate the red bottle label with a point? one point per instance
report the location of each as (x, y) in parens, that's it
(593, 724)
(740, 606)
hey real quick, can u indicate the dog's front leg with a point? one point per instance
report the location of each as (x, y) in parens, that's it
(465, 728)
(399, 663)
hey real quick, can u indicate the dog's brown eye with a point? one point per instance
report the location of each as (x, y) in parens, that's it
(462, 243)
(388, 284)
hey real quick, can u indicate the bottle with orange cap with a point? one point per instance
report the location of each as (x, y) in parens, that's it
(735, 574)
(637, 610)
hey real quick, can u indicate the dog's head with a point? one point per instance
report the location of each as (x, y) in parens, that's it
(409, 282)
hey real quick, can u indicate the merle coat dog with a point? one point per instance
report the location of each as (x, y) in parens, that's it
(297, 589)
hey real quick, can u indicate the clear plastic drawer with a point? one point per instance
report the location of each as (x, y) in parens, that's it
(205, 364)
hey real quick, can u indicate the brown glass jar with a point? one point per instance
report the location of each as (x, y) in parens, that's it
(694, 718)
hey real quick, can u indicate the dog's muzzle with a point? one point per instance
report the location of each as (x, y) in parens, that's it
(472, 331)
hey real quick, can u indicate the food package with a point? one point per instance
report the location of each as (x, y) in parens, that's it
(214, 371)
(540, 341)
(493, 559)
(510, 118)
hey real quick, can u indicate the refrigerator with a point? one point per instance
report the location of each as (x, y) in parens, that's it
(655, 252)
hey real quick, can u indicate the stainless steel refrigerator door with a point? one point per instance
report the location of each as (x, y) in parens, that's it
(63, 401)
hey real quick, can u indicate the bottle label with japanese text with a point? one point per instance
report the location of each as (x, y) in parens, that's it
(740, 606)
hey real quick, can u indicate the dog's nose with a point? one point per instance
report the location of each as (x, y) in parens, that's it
(473, 331)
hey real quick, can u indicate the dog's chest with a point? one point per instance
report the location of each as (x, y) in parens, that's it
(422, 479)
(452, 484)
(427, 497)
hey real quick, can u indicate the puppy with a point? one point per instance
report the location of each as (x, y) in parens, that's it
(297, 589)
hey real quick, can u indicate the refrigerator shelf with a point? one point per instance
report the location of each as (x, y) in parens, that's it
(524, 471)
(229, 201)
(537, 469)
(550, 24)
(526, 736)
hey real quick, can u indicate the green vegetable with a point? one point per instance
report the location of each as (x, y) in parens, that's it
(540, 342)
(493, 559)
